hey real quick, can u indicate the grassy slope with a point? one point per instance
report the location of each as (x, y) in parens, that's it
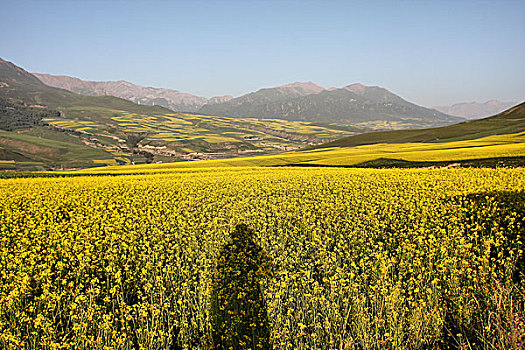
(510, 121)
(501, 147)
(47, 147)
(462, 145)
(499, 136)
(94, 118)
(41, 147)
(99, 126)
(181, 133)
(504, 138)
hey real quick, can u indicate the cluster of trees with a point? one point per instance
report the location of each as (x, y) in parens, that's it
(14, 115)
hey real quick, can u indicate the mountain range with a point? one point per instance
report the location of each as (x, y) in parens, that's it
(244, 105)
(474, 110)
(44, 127)
(356, 104)
(168, 98)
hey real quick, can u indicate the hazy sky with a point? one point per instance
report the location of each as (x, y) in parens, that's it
(428, 52)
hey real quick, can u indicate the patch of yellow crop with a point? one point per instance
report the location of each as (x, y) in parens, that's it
(488, 147)
(105, 161)
(355, 258)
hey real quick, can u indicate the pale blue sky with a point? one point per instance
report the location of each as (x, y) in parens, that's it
(429, 52)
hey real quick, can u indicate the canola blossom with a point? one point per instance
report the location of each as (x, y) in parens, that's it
(356, 259)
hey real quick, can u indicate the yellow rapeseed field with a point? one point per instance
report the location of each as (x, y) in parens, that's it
(357, 259)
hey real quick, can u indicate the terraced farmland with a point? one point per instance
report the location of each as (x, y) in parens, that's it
(491, 151)
(186, 136)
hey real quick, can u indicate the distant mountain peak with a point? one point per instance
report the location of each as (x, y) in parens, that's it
(374, 93)
(307, 101)
(359, 88)
(474, 110)
(307, 84)
(301, 88)
(220, 99)
(356, 86)
(168, 98)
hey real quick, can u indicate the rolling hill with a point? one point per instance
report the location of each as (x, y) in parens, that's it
(491, 142)
(20, 85)
(42, 127)
(55, 128)
(507, 122)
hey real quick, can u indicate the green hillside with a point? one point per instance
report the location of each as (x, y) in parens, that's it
(49, 128)
(44, 128)
(491, 142)
(509, 121)
(492, 151)
(19, 85)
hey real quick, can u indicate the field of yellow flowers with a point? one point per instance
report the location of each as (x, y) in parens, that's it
(357, 259)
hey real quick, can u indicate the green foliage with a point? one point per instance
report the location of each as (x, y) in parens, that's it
(132, 140)
(14, 116)
(493, 224)
(42, 147)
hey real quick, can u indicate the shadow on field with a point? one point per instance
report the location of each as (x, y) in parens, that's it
(389, 163)
(497, 216)
(238, 310)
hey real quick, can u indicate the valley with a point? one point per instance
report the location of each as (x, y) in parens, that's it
(262, 175)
